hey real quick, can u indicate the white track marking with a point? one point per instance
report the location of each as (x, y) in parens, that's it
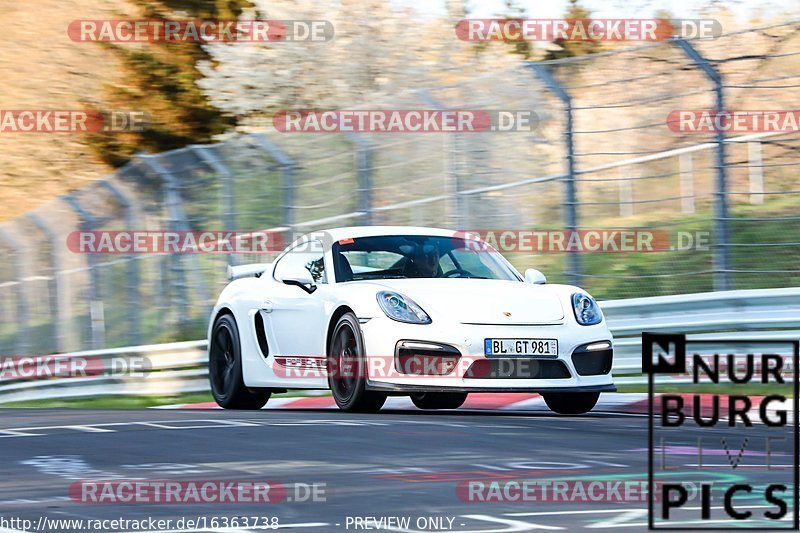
(621, 520)
(5, 433)
(528, 404)
(90, 429)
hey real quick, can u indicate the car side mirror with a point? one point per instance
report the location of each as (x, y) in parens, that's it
(301, 279)
(534, 276)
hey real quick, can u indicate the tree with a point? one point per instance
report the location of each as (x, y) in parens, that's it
(378, 53)
(565, 48)
(160, 79)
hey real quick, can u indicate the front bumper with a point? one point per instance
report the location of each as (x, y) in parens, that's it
(568, 372)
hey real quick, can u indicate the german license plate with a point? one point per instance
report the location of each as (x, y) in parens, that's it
(520, 347)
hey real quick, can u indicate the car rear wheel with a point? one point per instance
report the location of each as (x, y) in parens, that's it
(439, 400)
(576, 403)
(225, 368)
(347, 376)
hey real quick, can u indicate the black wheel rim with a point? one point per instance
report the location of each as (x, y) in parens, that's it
(223, 359)
(344, 363)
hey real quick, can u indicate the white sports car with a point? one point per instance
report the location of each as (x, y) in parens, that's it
(432, 314)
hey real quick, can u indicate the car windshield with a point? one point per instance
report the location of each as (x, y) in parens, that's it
(417, 256)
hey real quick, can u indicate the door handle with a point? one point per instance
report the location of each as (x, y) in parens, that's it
(266, 306)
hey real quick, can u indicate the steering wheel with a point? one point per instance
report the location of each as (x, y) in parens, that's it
(465, 273)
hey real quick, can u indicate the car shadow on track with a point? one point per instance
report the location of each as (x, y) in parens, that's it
(475, 413)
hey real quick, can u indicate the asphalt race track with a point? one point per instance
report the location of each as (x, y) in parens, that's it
(394, 464)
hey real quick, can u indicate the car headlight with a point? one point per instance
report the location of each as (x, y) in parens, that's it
(402, 308)
(587, 312)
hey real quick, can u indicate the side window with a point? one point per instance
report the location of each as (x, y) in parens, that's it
(308, 256)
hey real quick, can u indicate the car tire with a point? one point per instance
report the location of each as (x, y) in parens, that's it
(347, 369)
(439, 400)
(225, 368)
(576, 403)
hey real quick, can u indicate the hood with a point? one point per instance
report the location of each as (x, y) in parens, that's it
(482, 301)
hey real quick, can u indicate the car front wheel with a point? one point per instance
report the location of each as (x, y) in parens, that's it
(576, 403)
(347, 375)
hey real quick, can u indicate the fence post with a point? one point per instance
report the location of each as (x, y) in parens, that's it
(59, 313)
(288, 166)
(571, 200)
(21, 343)
(227, 199)
(177, 222)
(363, 162)
(721, 259)
(96, 315)
(132, 279)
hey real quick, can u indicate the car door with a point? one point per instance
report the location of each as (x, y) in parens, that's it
(294, 318)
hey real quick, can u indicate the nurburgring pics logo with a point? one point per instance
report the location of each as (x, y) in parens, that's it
(758, 436)
(404, 121)
(521, 29)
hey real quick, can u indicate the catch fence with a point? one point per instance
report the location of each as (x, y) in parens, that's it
(602, 157)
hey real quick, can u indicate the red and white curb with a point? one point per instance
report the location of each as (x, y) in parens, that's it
(614, 402)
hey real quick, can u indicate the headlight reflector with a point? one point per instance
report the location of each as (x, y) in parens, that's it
(587, 312)
(402, 308)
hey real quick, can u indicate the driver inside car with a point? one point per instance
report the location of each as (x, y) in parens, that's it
(423, 262)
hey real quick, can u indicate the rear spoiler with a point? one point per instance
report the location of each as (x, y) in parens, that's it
(244, 271)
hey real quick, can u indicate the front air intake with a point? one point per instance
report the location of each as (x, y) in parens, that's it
(418, 358)
(518, 369)
(593, 362)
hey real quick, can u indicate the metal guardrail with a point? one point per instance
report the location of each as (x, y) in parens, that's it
(181, 367)
(729, 315)
(168, 369)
